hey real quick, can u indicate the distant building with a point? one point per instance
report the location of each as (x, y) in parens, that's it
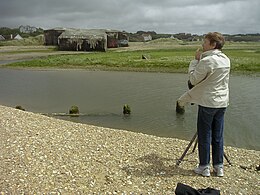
(27, 29)
(82, 40)
(196, 38)
(85, 39)
(18, 37)
(51, 35)
(116, 38)
(2, 38)
(147, 37)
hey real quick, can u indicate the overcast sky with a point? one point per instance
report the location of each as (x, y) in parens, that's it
(161, 16)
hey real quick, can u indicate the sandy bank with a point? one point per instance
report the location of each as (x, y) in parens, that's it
(39, 155)
(9, 54)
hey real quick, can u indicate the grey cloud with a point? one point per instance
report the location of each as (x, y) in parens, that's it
(168, 16)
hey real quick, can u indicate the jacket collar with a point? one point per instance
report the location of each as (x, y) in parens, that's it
(210, 53)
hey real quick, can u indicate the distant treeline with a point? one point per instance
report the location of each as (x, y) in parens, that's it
(243, 37)
(5, 31)
(138, 36)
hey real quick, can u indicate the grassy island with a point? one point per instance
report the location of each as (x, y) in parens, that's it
(163, 55)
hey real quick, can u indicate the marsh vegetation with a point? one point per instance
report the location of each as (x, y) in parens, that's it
(165, 55)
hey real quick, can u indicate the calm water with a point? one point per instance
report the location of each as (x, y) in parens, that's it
(151, 96)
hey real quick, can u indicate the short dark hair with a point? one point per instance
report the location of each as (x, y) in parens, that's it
(216, 37)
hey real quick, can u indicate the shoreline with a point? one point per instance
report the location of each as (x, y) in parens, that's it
(127, 69)
(39, 154)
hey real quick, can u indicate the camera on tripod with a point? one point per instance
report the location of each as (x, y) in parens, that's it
(190, 86)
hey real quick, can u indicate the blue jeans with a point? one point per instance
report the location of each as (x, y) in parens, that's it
(210, 125)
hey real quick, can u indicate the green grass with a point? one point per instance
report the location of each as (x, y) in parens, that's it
(245, 57)
(159, 60)
(244, 60)
(38, 40)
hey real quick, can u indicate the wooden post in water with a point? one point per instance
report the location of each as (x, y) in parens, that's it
(74, 111)
(126, 109)
(179, 109)
(20, 108)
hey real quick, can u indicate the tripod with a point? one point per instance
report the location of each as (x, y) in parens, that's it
(188, 147)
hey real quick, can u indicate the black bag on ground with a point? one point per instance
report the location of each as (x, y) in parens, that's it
(183, 189)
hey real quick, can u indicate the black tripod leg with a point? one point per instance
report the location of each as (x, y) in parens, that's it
(195, 145)
(186, 150)
(227, 159)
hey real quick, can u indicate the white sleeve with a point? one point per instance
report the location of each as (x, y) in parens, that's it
(199, 73)
(184, 99)
(193, 65)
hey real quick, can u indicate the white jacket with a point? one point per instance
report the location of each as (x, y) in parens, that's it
(210, 77)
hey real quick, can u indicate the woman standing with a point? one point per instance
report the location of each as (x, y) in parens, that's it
(209, 74)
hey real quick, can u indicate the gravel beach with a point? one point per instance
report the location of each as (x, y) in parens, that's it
(43, 155)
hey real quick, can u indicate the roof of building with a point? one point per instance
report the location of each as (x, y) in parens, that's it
(2, 37)
(18, 37)
(57, 29)
(83, 34)
(92, 30)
